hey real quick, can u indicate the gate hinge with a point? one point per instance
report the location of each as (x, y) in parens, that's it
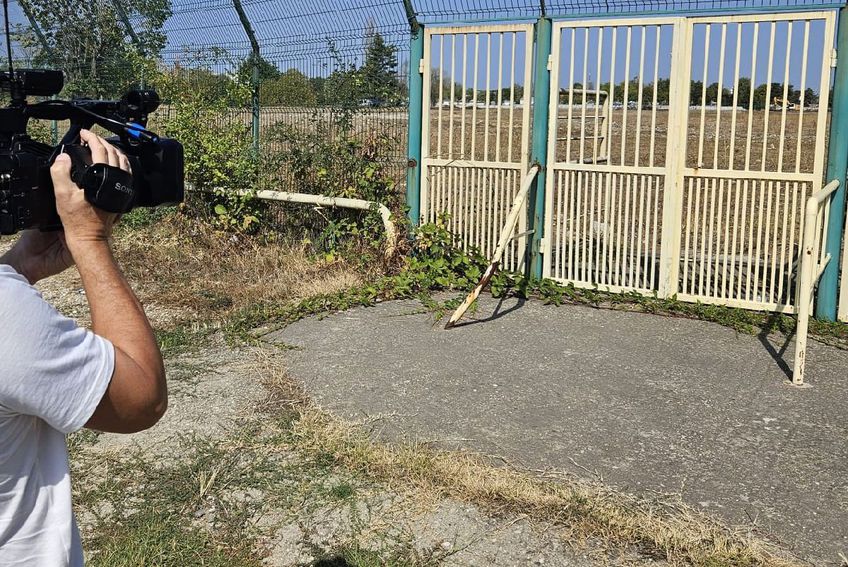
(421, 66)
(833, 58)
(542, 242)
(550, 62)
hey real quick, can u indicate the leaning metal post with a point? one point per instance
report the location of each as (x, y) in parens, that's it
(254, 45)
(122, 15)
(837, 167)
(54, 126)
(539, 152)
(416, 109)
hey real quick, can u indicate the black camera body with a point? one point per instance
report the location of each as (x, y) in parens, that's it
(26, 188)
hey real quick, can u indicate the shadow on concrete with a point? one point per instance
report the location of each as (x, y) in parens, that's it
(778, 355)
(496, 314)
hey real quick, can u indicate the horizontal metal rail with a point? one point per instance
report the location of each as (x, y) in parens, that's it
(340, 202)
(813, 262)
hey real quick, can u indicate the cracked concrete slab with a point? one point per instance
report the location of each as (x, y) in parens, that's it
(646, 403)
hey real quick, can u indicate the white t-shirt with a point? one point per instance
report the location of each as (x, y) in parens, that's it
(53, 375)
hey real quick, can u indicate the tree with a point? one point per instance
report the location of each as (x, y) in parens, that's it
(267, 70)
(291, 88)
(379, 73)
(90, 43)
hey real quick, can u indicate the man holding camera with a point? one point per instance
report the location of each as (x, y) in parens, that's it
(59, 378)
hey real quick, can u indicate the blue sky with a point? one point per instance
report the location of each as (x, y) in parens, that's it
(788, 43)
(294, 34)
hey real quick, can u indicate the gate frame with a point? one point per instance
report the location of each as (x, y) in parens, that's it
(675, 156)
(521, 162)
(676, 170)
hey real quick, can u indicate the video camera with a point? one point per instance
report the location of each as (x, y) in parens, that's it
(26, 188)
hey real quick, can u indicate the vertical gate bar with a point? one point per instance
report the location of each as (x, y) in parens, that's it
(751, 240)
(416, 113)
(637, 267)
(619, 247)
(452, 95)
(742, 240)
(451, 204)
(804, 56)
(596, 224)
(760, 229)
(500, 95)
(565, 197)
(626, 93)
(783, 235)
(597, 88)
(726, 250)
(714, 223)
(749, 142)
(701, 189)
(627, 242)
(639, 98)
(611, 95)
(441, 95)
(604, 278)
(583, 95)
(837, 163)
(781, 144)
(512, 98)
(656, 88)
(769, 74)
(681, 59)
(554, 213)
(689, 227)
(580, 228)
(792, 218)
(573, 33)
(657, 181)
(587, 226)
(485, 216)
(702, 130)
(732, 152)
(720, 92)
(474, 101)
(572, 226)
(462, 112)
(734, 264)
(486, 156)
(539, 155)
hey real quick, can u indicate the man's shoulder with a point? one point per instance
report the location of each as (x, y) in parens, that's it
(20, 302)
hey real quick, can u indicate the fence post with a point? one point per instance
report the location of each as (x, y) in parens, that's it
(254, 45)
(837, 167)
(539, 151)
(416, 109)
(122, 15)
(54, 126)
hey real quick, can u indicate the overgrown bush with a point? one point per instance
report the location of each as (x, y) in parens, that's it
(327, 158)
(220, 162)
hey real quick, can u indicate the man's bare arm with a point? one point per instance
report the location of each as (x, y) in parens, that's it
(137, 394)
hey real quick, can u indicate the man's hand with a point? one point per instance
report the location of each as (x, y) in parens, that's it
(84, 224)
(38, 255)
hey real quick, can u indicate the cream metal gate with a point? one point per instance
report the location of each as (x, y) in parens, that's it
(702, 192)
(604, 207)
(476, 131)
(744, 191)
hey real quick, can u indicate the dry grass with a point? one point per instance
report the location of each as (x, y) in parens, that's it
(182, 265)
(662, 528)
